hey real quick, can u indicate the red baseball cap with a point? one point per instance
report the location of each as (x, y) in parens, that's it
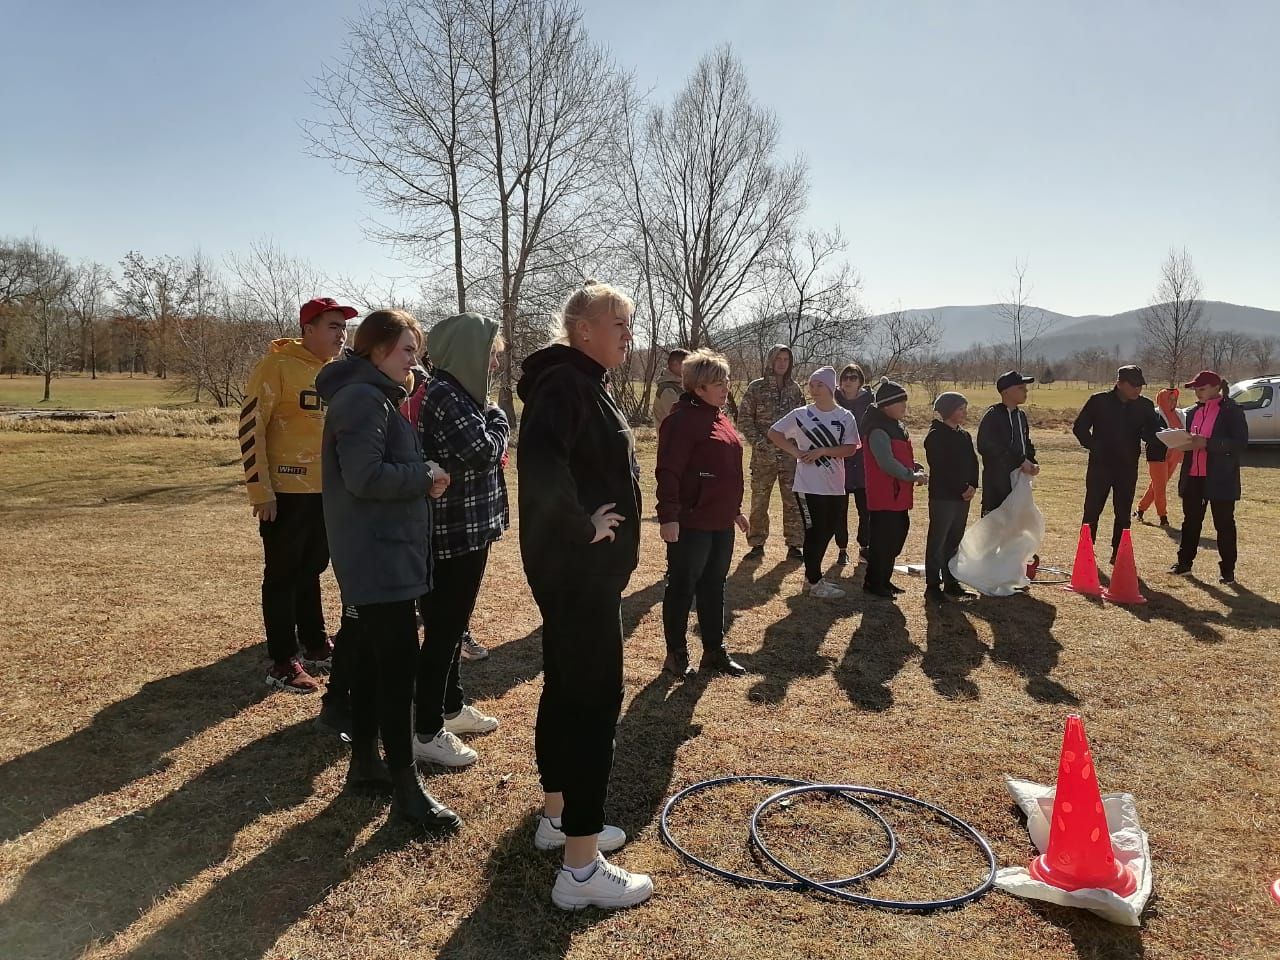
(1205, 378)
(313, 308)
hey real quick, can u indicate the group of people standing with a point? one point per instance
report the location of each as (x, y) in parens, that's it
(395, 472)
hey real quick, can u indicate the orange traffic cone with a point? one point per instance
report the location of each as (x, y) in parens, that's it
(1084, 572)
(1124, 576)
(1080, 854)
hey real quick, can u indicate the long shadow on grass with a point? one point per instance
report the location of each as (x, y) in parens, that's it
(125, 741)
(1200, 624)
(789, 647)
(96, 885)
(1093, 937)
(519, 661)
(953, 651)
(1022, 638)
(877, 652)
(743, 590)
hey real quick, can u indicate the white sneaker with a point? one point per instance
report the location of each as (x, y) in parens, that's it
(825, 591)
(550, 837)
(444, 749)
(470, 720)
(609, 887)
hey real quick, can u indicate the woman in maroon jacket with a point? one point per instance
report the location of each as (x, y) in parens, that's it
(699, 502)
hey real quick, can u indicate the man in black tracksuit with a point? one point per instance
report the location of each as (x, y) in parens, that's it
(1004, 441)
(1111, 426)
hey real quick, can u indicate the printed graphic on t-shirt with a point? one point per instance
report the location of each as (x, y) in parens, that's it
(810, 429)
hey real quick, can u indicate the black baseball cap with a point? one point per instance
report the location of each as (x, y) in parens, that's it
(1012, 379)
(1131, 375)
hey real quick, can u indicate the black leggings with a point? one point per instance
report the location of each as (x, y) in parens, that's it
(1224, 525)
(382, 683)
(446, 610)
(581, 695)
(296, 553)
(821, 515)
(888, 536)
(859, 497)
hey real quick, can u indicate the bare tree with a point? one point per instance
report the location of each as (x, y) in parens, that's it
(721, 200)
(903, 345)
(87, 301)
(1264, 352)
(19, 266)
(156, 290)
(274, 284)
(1026, 323)
(53, 343)
(1168, 327)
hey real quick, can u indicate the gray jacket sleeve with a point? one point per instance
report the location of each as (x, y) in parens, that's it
(358, 421)
(882, 450)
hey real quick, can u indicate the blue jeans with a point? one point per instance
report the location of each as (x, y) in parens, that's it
(697, 565)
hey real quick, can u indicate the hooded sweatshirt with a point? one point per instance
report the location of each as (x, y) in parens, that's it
(765, 401)
(666, 391)
(576, 453)
(466, 435)
(375, 486)
(699, 469)
(281, 423)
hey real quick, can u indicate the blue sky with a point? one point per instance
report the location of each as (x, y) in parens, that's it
(947, 139)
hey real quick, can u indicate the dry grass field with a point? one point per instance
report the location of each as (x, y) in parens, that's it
(157, 802)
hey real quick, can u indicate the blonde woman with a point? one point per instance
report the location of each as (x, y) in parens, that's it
(579, 542)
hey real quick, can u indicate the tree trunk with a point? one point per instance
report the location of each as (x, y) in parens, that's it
(48, 375)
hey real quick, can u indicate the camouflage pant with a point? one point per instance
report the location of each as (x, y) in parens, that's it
(766, 470)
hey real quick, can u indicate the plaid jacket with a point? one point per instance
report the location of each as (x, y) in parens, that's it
(469, 443)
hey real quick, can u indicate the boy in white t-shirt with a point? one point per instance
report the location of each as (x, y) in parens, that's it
(819, 436)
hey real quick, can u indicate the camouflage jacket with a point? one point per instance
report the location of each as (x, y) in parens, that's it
(764, 402)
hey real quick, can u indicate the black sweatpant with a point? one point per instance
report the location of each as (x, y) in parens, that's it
(446, 611)
(382, 682)
(859, 498)
(947, 519)
(889, 530)
(1224, 524)
(697, 565)
(1117, 481)
(581, 695)
(296, 553)
(345, 644)
(821, 516)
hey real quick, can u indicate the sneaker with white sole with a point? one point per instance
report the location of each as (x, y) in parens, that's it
(444, 749)
(470, 720)
(471, 650)
(825, 591)
(609, 888)
(550, 837)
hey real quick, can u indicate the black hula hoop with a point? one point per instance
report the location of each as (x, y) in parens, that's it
(748, 881)
(923, 906)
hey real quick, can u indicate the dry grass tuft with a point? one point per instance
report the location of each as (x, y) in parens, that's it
(156, 802)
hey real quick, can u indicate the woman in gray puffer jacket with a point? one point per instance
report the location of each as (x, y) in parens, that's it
(378, 522)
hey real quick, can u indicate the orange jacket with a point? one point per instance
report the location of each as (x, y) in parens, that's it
(281, 423)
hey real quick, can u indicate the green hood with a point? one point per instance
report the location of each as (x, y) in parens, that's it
(460, 346)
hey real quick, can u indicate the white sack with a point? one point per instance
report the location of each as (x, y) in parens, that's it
(995, 551)
(1127, 838)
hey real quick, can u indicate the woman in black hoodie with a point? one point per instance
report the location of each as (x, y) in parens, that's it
(579, 542)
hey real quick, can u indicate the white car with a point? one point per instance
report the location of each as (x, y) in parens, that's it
(1259, 398)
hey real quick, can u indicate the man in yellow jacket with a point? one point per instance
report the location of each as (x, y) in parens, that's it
(281, 424)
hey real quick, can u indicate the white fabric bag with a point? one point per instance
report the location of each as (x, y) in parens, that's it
(995, 551)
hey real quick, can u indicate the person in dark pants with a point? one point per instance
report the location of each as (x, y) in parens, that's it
(953, 481)
(579, 543)
(467, 435)
(819, 436)
(892, 475)
(700, 485)
(855, 397)
(1211, 473)
(1112, 426)
(281, 423)
(376, 485)
(1004, 441)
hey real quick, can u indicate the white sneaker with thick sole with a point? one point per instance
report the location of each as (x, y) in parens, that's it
(609, 888)
(550, 837)
(470, 720)
(825, 591)
(444, 749)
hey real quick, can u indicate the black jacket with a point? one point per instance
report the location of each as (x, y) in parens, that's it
(376, 512)
(1004, 441)
(855, 475)
(953, 464)
(1112, 429)
(1230, 438)
(576, 453)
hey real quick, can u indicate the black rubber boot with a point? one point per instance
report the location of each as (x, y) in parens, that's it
(367, 770)
(411, 803)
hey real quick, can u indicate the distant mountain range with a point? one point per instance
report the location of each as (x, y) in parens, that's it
(964, 326)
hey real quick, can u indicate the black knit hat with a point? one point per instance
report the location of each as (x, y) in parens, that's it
(888, 392)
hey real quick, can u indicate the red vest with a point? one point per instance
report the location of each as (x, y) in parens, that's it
(889, 493)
